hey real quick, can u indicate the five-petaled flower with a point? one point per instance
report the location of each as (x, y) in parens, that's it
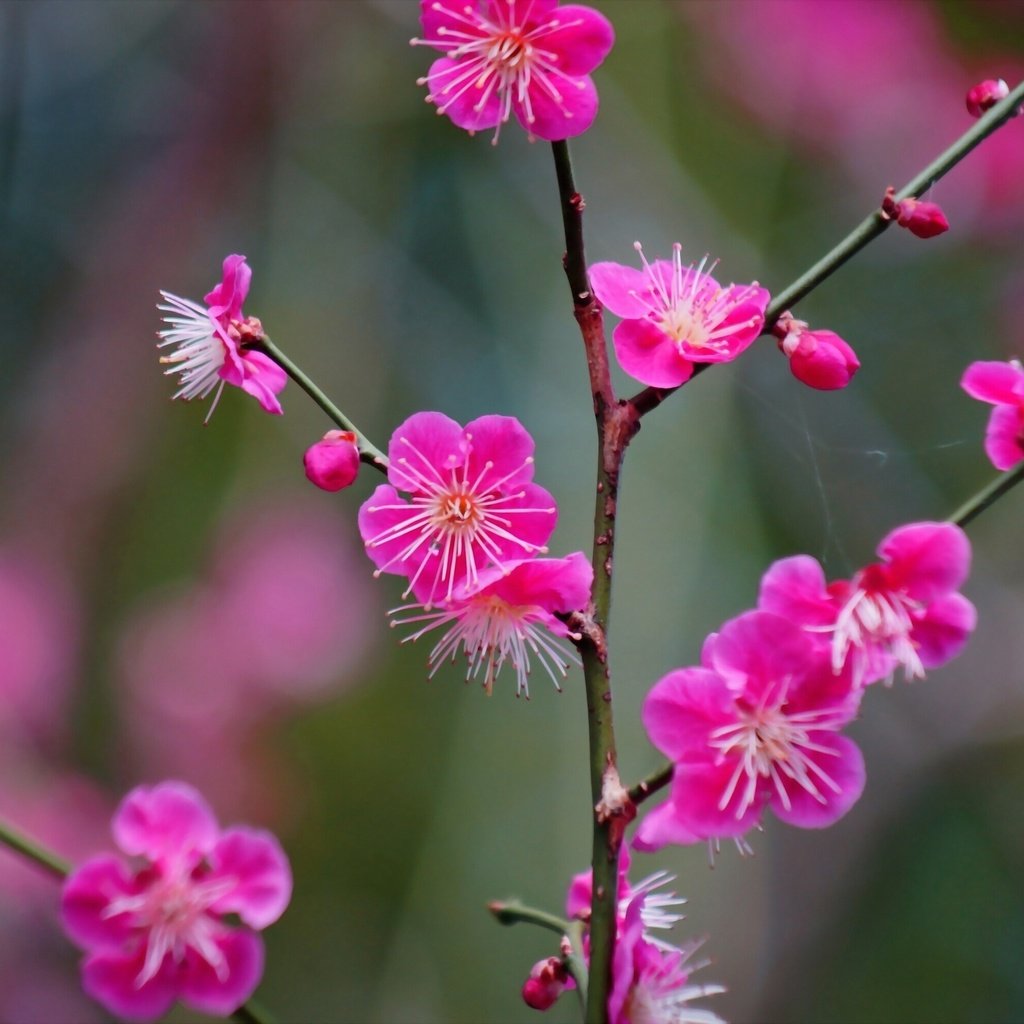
(527, 57)
(1001, 385)
(209, 342)
(472, 504)
(155, 931)
(674, 316)
(902, 611)
(506, 617)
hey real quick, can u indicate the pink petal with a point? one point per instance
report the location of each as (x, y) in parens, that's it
(744, 324)
(995, 382)
(660, 827)
(795, 588)
(644, 351)
(110, 979)
(86, 895)
(1004, 437)
(263, 379)
(507, 12)
(697, 790)
(453, 86)
(562, 114)
(429, 442)
(376, 517)
(845, 766)
(504, 442)
(620, 289)
(534, 528)
(167, 823)
(202, 990)
(583, 42)
(554, 584)
(226, 298)
(944, 629)
(926, 559)
(257, 865)
(683, 707)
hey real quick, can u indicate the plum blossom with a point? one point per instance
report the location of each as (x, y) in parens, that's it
(1002, 385)
(901, 611)
(920, 218)
(985, 95)
(332, 464)
(674, 316)
(154, 931)
(756, 726)
(472, 504)
(208, 343)
(819, 359)
(527, 57)
(547, 980)
(507, 616)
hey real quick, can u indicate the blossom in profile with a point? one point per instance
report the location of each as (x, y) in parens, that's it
(756, 726)
(819, 359)
(154, 930)
(207, 343)
(509, 616)
(919, 217)
(903, 611)
(332, 464)
(674, 316)
(530, 58)
(1002, 385)
(985, 95)
(472, 504)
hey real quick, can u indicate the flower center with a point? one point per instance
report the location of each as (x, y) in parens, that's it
(509, 53)
(457, 511)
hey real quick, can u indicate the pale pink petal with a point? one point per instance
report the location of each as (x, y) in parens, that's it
(582, 43)
(423, 441)
(568, 111)
(660, 827)
(621, 289)
(698, 789)
(942, 632)
(1004, 437)
(167, 823)
(996, 382)
(926, 559)
(257, 865)
(504, 442)
(200, 987)
(644, 351)
(844, 765)
(683, 707)
(85, 897)
(225, 299)
(795, 588)
(458, 94)
(110, 979)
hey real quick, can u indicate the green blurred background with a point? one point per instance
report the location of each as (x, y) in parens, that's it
(408, 266)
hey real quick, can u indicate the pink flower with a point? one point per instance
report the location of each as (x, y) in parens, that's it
(156, 932)
(208, 341)
(515, 56)
(926, 220)
(820, 359)
(757, 726)
(903, 610)
(1001, 385)
(985, 95)
(472, 503)
(333, 462)
(675, 316)
(547, 980)
(506, 616)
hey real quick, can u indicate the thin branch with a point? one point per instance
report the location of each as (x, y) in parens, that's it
(973, 507)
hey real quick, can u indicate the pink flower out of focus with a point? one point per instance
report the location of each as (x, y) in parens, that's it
(757, 725)
(819, 359)
(472, 503)
(506, 616)
(985, 95)
(527, 57)
(1002, 385)
(902, 611)
(674, 316)
(333, 462)
(548, 979)
(207, 342)
(154, 931)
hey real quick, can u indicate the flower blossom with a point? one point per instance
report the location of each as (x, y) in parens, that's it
(757, 725)
(506, 616)
(526, 57)
(472, 504)
(208, 343)
(1001, 385)
(920, 218)
(901, 611)
(155, 932)
(674, 316)
(985, 95)
(819, 359)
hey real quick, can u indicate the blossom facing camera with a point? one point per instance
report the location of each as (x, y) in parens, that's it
(819, 359)
(985, 95)
(332, 464)
(1001, 385)
(674, 316)
(209, 343)
(920, 218)
(530, 58)
(155, 931)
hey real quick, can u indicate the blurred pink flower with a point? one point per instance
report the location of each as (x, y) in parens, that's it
(531, 59)
(547, 980)
(1002, 385)
(674, 316)
(207, 342)
(985, 95)
(157, 933)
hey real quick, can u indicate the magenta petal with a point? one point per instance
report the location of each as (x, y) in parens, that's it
(942, 632)
(926, 559)
(995, 382)
(644, 351)
(110, 979)
(226, 298)
(270, 375)
(620, 289)
(661, 827)
(582, 43)
(168, 823)
(202, 990)
(504, 442)
(257, 865)
(86, 895)
(697, 791)
(427, 442)
(558, 108)
(844, 765)
(683, 707)
(1004, 436)
(454, 86)
(531, 529)
(553, 584)
(795, 588)
(384, 509)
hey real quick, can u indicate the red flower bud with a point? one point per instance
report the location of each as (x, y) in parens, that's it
(820, 359)
(333, 463)
(986, 95)
(919, 217)
(547, 981)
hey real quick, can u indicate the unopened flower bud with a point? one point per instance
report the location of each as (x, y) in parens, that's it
(986, 95)
(820, 359)
(333, 463)
(545, 984)
(920, 218)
